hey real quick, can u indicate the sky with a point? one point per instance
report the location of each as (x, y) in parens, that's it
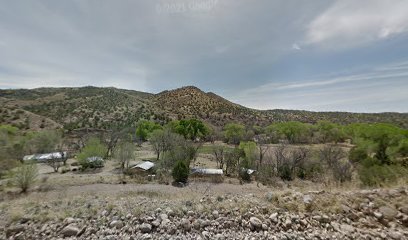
(320, 55)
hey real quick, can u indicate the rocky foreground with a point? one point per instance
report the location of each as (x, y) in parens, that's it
(366, 214)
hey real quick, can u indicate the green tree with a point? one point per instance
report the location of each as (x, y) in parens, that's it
(44, 141)
(330, 132)
(294, 132)
(93, 148)
(145, 128)
(180, 172)
(249, 148)
(402, 149)
(357, 154)
(234, 133)
(191, 129)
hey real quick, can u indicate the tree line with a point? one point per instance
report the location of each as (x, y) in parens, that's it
(279, 150)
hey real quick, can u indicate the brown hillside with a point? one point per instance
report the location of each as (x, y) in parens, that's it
(102, 108)
(191, 102)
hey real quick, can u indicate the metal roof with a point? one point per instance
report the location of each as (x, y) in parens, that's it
(45, 156)
(250, 171)
(94, 159)
(207, 171)
(146, 165)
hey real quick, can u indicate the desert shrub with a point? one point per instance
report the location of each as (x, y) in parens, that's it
(93, 148)
(357, 154)
(265, 173)
(25, 175)
(402, 149)
(180, 172)
(331, 154)
(342, 171)
(374, 175)
(244, 176)
(285, 172)
(312, 170)
(6, 163)
(43, 141)
(163, 176)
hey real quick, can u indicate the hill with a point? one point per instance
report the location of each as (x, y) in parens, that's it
(93, 107)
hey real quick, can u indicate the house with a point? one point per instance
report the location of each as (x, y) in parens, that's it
(44, 157)
(206, 171)
(143, 167)
(214, 175)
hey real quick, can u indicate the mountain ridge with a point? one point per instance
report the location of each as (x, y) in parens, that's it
(98, 107)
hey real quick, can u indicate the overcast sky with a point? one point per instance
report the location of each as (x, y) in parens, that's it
(323, 55)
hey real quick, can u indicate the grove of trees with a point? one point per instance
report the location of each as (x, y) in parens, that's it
(378, 155)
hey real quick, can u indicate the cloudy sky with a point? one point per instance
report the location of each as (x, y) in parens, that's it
(321, 55)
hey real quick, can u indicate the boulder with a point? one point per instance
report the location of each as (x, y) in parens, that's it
(185, 224)
(269, 196)
(116, 224)
(70, 231)
(255, 223)
(388, 212)
(307, 199)
(145, 228)
(14, 230)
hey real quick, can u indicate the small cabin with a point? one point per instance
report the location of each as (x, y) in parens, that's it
(44, 157)
(145, 167)
(212, 174)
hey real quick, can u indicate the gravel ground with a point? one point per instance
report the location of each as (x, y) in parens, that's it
(204, 211)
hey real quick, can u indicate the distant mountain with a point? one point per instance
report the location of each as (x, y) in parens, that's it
(95, 107)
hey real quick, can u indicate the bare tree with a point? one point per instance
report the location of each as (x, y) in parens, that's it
(124, 154)
(342, 171)
(299, 157)
(280, 156)
(218, 152)
(112, 137)
(331, 154)
(261, 142)
(55, 163)
(158, 141)
(232, 160)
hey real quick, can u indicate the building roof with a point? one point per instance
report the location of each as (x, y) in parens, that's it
(248, 170)
(94, 159)
(145, 165)
(45, 156)
(207, 171)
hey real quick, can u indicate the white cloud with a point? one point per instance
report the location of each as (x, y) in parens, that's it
(295, 46)
(379, 89)
(350, 22)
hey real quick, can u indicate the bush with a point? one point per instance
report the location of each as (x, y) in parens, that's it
(25, 176)
(380, 175)
(93, 148)
(357, 155)
(285, 173)
(342, 171)
(244, 175)
(402, 149)
(180, 172)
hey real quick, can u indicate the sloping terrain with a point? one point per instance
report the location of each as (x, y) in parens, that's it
(152, 211)
(95, 107)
